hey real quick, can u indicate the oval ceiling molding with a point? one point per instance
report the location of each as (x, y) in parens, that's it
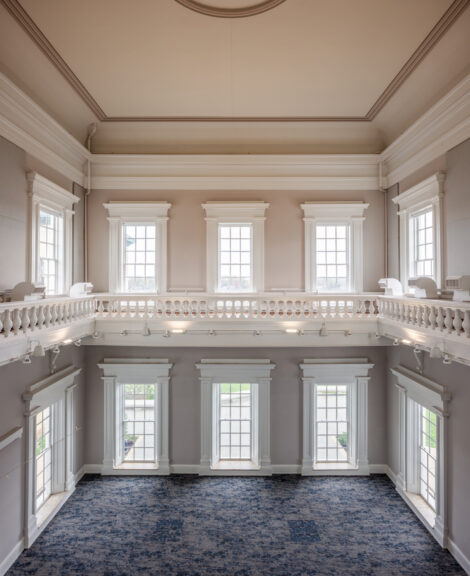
(235, 9)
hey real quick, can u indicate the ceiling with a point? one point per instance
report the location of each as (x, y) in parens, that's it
(319, 75)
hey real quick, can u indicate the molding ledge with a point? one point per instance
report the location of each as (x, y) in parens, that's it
(11, 436)
(443, 126)
(28, 126)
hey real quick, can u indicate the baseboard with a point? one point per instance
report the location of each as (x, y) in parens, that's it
(286, 468)
(378, 469)
(458, 555)
(184, 468)
(92, 469)
(79, 475)
(14, 554)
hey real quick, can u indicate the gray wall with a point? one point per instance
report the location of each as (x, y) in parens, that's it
(457, 379)
(393, 237)
(14, 379)
(12, 214)
(286, 398)
(78, 268)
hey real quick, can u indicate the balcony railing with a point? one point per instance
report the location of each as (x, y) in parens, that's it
(29, 316)
(263, 307)
(444, 316)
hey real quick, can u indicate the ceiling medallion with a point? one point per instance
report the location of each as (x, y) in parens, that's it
(230, 8)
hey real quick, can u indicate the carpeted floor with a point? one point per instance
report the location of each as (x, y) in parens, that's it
(284, 525)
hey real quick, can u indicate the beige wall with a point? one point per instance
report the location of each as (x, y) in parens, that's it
(284, 238)
(12, 215)
(14, 379)
(457, 379)
(286, 398)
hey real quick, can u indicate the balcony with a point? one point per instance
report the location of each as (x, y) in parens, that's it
(229, 320)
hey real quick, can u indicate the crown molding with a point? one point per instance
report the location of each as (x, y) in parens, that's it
(256, 8)
(27, 125)
(443, 126)
(235, 172)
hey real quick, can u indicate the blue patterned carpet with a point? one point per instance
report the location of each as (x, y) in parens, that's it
(284, 525)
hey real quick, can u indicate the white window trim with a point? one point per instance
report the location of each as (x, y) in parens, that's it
(118, 371)
(234, 213)
(434, 396)
(319, 213)
(56, 392)
(354, 373)
(120, 213)
(428, 193)
(44, 193)
(233, 371)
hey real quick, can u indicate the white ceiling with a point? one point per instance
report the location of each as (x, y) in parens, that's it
(305, 58)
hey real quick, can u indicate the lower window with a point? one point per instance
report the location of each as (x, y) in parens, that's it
(138, 422)
(43, 458)
(332, 424)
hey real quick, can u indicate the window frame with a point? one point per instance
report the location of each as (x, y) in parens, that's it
(219, 261)
(43, 194)
(57, 393)
(234, 213)
(337, 214)
(116, 373)
(416, 391)
(129, 213)
(352, 372)
(428, 194)
(244, 371)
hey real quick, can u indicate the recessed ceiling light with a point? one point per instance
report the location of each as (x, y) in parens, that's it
(68, 341)
(178, 331)
(292, 330)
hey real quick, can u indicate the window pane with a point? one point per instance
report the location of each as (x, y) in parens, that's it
(138, 423)
(328, 254)
(428, 456)
(235, 257)
(234, 413)
(138, 248)
(50, 250)
(422, 244)
(331, 429)
(42, 428)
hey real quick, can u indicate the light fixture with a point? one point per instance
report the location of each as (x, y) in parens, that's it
(446, 359)
(377, 335)
(435, 352)
(95, 335)
(292, 330)
(166, 334)
(26, 359)
(67, 341)
(212, 333)
(38, 350)
(78, 343)
(396, 342)
(146, 331)
(56, 349)
(256, 333)
(323, 330)
(406, 341)
(347, 333)
(124, 332)
(178, 331)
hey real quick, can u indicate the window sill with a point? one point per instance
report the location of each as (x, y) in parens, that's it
(421, 508)
(50, 508)
(137, 466)
(235, 465)
(334, 466)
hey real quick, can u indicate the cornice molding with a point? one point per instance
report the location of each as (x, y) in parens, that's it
(333, 210)
(427, 191)
(27, 125)
(44, 189)
(443, 126)
(443, 24)
(146, 210)
(216, 210)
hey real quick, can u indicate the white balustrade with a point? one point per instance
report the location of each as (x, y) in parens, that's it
(25, 317)
(439, 315)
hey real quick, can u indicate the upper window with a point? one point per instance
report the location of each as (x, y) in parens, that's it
(235, 257)
(422, 244)
(137, 246)
(420, 211)
(333, 258)
(334, 246)
(50, 229)
(235, 246)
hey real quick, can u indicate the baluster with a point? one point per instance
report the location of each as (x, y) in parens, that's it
(432, 317)
(440, 318)
(16, 321)
(458, 322)
(7, 323)
(47, 316)
(1, 322)
(34, 318)
(466, 323)
(449, 322)
(100, 307)
(24, 319)
(362, 308)
(41, 318)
